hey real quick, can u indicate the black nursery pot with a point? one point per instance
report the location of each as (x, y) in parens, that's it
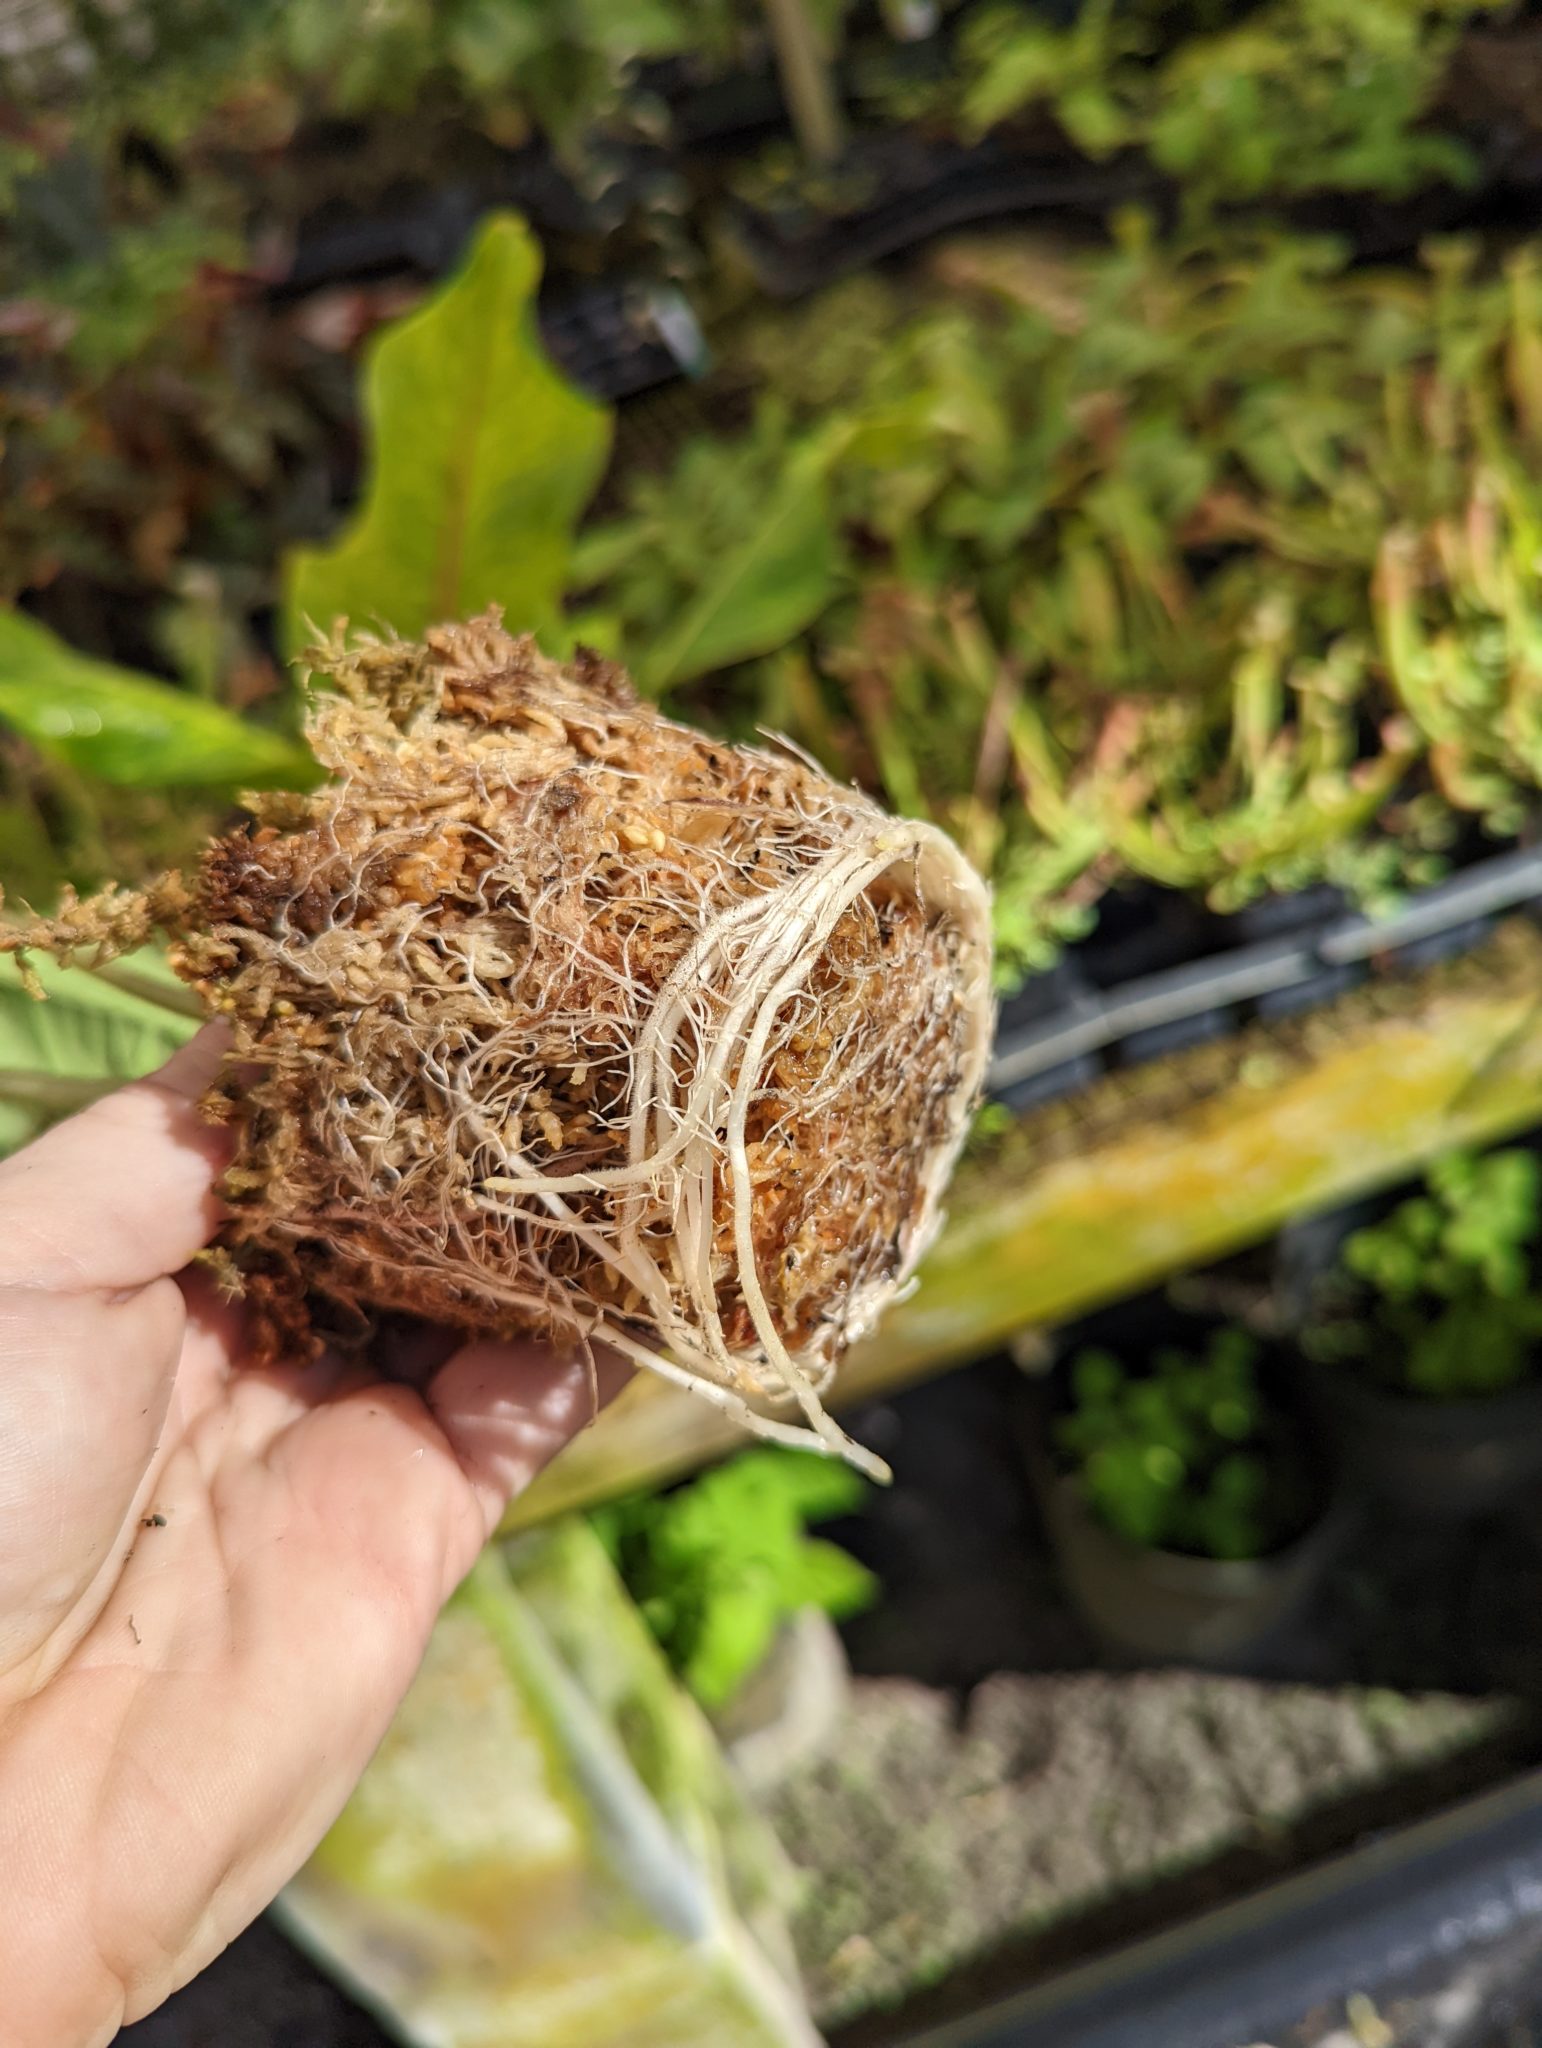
(1166, 1606)
(1440, 1460)
(1160, 1605)
(1443, 1460)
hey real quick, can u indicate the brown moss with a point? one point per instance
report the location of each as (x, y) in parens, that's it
(566, 1018)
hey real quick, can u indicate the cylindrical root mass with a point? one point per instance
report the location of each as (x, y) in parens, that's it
(562, 1017)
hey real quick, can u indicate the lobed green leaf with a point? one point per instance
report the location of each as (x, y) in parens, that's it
(121, 727)
(482, 455)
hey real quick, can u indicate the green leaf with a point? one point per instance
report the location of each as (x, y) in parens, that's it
(122, 727)
(829, 1577)
(601, 550)
(483, 458)
(58, 1054)
(767, 588)
(717, 1565)
(733, 1636)
(801, 1483)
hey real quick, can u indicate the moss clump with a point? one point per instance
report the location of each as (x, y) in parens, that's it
(556, 1016)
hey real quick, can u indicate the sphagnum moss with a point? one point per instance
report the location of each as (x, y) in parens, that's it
(552, 1015)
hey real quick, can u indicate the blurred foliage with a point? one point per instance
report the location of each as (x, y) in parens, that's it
(90, 1034)
(111, 725)
(162, 415)
(718, 1565)
(1079, 561)
(483, 459)
(1188, 1456)
(1443, 1298)
(170, 427)
(1210, 565)
(1235, 103)
(150, 411)
(772, 539)
(563, 67)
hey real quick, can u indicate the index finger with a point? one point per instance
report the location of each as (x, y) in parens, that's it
(124, 1192)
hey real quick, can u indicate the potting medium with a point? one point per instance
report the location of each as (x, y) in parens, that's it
(552, 1015)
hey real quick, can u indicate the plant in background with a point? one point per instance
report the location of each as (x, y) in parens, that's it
(1442, 1298)
(1188, 1456)
(1275, 100)
(105, 770)
(761, 509)
(572, 72)
(92, 1033)
(1312, 95)
(167, 67)
(156, 432)
(1088, 72)
(482, 458)
(466, 505)
(166, 426)
(152, 410)
(718, 1565)
(1459, 615)
(1207, 566)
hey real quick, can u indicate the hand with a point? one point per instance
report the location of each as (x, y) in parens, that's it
(215, 1583)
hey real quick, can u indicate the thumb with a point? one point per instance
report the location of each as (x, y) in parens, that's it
(123, 1192)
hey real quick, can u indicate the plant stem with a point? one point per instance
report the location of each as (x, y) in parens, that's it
(147, 989)
(55, 1093)
(811, 102)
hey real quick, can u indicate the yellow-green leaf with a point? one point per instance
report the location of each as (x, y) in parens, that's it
(482, 459)
(122, 727)
(767, 588)
(88, 1036)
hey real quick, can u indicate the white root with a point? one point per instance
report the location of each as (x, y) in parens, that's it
(782, 934)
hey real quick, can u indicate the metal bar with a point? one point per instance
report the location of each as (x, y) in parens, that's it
(1503, 883)
(1368, 1921)
(1094, 1024)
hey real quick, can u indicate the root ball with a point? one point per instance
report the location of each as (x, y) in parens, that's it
(567, 1019)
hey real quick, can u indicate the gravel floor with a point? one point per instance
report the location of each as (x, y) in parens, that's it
(931, 1834)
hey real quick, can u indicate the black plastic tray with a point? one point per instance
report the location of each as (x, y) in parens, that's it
(1090, 1030)
(1380, 1920)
